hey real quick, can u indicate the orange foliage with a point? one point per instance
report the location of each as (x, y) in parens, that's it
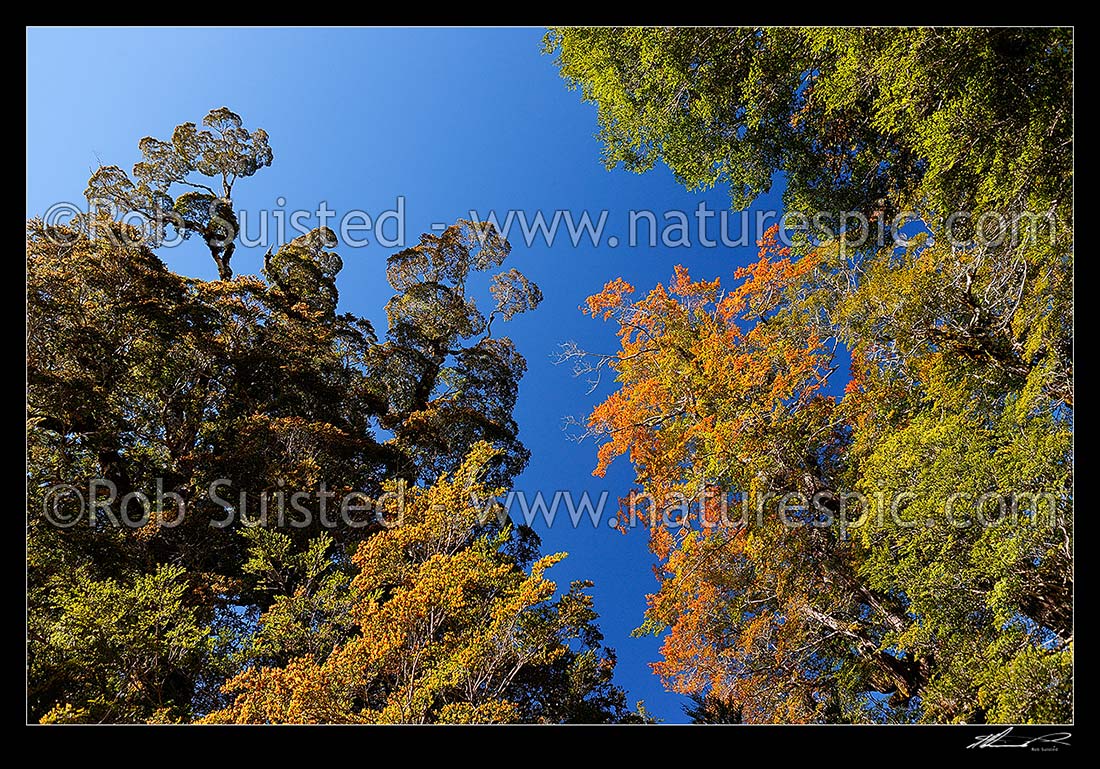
(714, 390)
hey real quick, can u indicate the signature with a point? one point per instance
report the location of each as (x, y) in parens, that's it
(1006, 740)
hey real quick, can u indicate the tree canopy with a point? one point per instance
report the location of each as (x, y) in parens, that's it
(892, 542)
(875, 121)
(248, 412)
(853, 453)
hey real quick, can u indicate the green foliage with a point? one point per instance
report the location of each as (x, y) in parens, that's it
(952, 599)
(310, 607)
(448, 628)
(111, 651)
(448, 381)
(196, 159)
(871, 121)
(232, 398)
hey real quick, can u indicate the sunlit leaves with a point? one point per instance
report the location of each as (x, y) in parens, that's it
(960, 338)
(449, 629)
(209, 162)
(514, 293)
(448, 389)
(123, 648)
(722, 401)
(858, 120)
(239, 397)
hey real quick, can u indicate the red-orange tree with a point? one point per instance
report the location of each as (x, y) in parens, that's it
(772, 608)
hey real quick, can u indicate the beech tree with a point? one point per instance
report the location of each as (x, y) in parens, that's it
(871, 121)
(193, 159)
(451, 626)
(776, 599)
(953, 602)
(223, 398)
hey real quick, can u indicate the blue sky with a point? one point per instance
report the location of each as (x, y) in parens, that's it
(453, 121)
